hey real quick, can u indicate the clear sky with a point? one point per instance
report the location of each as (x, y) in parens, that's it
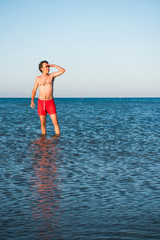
(109, 48)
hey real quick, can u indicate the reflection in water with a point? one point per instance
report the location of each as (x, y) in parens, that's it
(46, 208)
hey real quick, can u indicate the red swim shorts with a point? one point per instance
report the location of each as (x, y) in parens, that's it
(46, 106)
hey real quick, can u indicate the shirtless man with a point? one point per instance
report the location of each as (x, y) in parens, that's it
(46, 101)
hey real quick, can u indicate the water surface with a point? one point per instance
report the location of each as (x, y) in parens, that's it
(98, 180)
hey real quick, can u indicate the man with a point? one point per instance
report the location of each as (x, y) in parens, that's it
(46, 101)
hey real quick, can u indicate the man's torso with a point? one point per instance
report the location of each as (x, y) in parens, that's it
(45, 87)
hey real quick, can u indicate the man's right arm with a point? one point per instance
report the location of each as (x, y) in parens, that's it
(34, 93)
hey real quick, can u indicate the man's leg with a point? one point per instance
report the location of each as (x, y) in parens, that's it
(55, 123)
(43, 123)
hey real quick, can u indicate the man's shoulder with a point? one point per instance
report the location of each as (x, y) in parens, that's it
(38, 78)
(51, 76)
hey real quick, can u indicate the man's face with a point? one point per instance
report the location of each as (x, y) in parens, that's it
(45, 68)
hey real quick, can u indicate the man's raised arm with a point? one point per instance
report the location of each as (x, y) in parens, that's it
(56, 74)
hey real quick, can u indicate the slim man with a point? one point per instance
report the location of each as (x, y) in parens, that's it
(46, 101)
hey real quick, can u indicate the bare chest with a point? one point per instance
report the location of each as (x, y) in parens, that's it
(45, 81)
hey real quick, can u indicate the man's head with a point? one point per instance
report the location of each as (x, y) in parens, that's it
(43, 66)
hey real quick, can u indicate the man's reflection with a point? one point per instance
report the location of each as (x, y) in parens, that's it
(47, 194)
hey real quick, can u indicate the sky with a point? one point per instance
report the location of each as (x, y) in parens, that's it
(109, 48)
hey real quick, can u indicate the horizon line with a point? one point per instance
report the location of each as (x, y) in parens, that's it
(85, 97)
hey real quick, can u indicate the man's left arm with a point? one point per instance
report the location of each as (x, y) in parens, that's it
(60, 70)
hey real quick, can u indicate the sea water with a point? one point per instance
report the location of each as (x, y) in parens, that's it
(100, 179)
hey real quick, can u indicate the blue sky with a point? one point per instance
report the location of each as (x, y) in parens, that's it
(108, 48)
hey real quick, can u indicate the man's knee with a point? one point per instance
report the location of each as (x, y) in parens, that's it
(55, 123)
(43, 123)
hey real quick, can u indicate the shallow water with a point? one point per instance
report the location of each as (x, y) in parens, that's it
(98, 180)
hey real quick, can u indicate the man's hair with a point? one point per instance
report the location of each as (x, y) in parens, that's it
(41, 65)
